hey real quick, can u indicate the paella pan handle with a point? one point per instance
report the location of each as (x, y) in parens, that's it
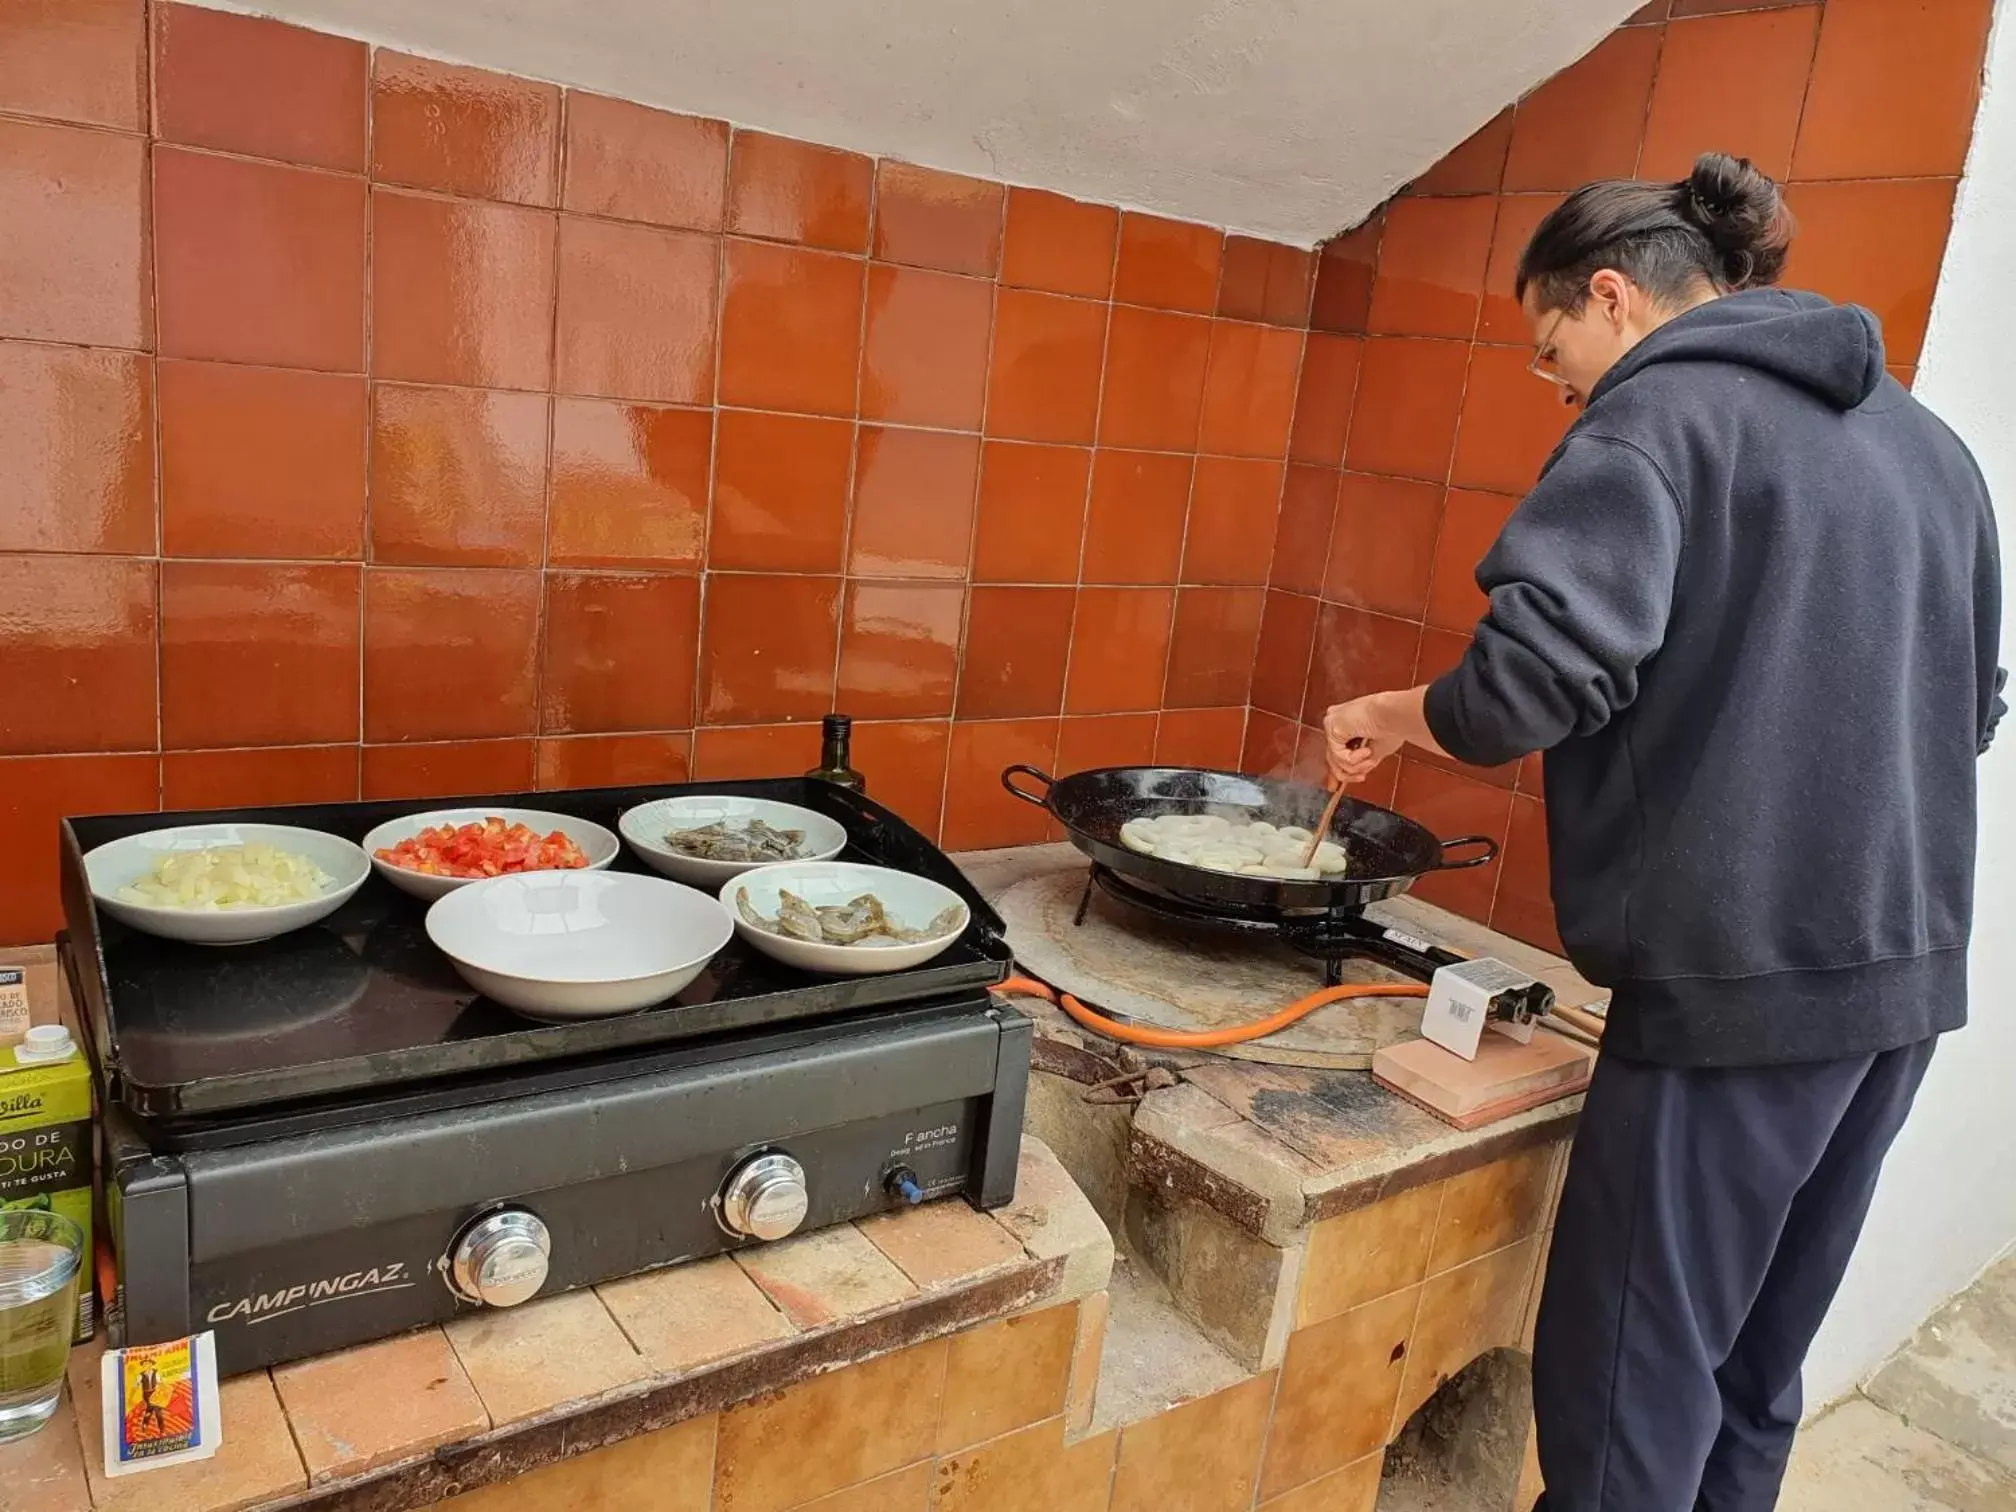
(1009, 774)
(1485, 855)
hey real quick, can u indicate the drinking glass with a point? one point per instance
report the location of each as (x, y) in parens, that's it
(41, 1255)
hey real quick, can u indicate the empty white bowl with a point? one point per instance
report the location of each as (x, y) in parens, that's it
(597, 843)
(577, 944)
(645, 827)
(117, 863)
(908, 899)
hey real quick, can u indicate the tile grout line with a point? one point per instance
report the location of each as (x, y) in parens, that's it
(151, 334)
(697, 694)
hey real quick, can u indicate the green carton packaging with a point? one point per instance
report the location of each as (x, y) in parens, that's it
(45, 1148)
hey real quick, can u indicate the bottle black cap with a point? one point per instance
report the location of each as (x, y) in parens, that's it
(833, 726)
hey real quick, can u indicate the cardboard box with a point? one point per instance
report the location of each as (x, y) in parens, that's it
(32, 991)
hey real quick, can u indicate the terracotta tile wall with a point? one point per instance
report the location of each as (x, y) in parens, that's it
(374, 426)
(1417, 427)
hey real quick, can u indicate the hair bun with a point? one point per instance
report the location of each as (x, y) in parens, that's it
(1741, 212)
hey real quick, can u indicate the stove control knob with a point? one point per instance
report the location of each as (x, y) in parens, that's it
(765, 1198)
(500, 1260)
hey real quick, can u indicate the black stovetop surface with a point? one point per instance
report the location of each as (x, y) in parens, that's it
(363, 1001)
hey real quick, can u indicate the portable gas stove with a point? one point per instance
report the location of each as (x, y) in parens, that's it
(327, 1138)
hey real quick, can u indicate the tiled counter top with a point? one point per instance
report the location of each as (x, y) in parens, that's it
(674, 1361)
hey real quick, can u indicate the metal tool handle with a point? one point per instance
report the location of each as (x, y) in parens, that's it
(1488, 855)
(1021, 770)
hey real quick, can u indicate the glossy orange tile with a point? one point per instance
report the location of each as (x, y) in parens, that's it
(77, 430)
(1061, 245)
(899, 649)
(790, 329)
(82, 276)
(1086, 742)
(635, 163)
(628, 485)
(1281, 655)
(904, 766)
(780, 492)
(1249, 389)
(1043, 383)
(1269, 748)
(261, 462)
(1532, 775)
(1519, 216)
(1382, 553)
(1894, 90)
(741, 751)
(1356, 653)
(1512, 422)
(458, 477)
(446, 769)
(35, 794)
(913, 504)
(1403, 422)
(1524, 907)
(1211, 649)
(1263, 280)
(1134, 520)
(450, 653)
(924, 358)
(1235, 503)
(767, 649)
(1877, 244)
(258, 777)
(75, 60)
(1345, 268)
(258, 654)
(1655, 11)
(1167, 264)
(246, 84)
(1586, 121)
(785, 190)
(1441, 651)
(1017, 644)
(979, 813)
(461, 292)
(636, 314)
(1476, 165)
(588, 761)
(1431, 266)
(1119, 650)
(1452, 806)
(1032, 512)
(933, 219)
(1323, 398)
(1154, 383)
(463, 130)
(618, 652)
(76, 654)
(1211, 738)
(1302, 534)
(1470, 523)
(1735, 83)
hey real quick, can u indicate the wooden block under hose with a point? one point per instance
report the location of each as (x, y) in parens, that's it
(1506, 1078)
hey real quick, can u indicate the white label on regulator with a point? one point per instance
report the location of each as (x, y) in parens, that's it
(1412, 942)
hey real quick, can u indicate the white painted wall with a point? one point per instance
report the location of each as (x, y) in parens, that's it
(1283, 118)
(1947, 1204)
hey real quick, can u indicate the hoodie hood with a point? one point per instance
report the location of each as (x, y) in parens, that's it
(1833, 351)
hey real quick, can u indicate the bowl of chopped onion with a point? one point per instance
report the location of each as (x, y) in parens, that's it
(224, 884)
(430, 855)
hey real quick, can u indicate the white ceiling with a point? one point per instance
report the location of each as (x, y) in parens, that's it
(1282, 118)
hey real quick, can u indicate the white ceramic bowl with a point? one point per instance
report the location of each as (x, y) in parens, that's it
(597, 843)
(908, 899)
(645, 825)
(118, 862)
(577, 944)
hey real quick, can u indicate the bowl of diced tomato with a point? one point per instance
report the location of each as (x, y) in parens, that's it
(430, 855)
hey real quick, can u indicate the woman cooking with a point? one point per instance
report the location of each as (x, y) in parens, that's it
(1751, 612)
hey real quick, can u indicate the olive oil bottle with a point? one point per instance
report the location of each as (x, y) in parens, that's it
(835, 758)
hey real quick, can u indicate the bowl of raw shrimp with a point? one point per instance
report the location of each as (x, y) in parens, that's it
(843, 918)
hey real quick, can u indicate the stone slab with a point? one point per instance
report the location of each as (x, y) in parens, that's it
(1957, 1378)
(1859, 1458)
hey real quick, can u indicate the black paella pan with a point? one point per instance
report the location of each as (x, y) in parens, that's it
(1384, 852)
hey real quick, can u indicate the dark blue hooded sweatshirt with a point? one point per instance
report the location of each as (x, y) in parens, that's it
(1751, 612)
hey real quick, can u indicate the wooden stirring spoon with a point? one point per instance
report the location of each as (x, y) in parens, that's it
(1329, 814)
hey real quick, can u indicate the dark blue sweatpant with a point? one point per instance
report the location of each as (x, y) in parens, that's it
(1706, 1221)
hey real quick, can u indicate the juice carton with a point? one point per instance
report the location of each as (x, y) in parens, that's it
(45, 1139)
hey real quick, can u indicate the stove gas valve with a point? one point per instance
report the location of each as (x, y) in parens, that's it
(500, 1259)
(765, 1197)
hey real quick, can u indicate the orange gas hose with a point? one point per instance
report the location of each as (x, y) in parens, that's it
(1207, 1039)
